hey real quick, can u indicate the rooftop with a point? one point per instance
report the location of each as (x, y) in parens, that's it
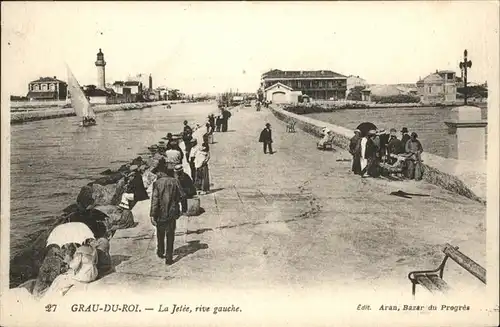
(131, 83)
(276, 73)
(48, 79)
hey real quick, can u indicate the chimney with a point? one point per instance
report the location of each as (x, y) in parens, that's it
(55, 77)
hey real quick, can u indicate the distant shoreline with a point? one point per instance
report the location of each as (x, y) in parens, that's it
(51, 113)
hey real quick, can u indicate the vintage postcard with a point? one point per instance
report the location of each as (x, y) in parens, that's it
(250, 163)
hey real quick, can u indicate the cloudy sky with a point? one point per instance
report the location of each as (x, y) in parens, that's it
(211, 47)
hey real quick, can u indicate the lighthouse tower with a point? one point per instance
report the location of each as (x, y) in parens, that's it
(101, 70)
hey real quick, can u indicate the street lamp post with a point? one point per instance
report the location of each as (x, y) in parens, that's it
(464, 65)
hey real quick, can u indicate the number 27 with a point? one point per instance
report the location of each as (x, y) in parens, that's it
(51, 307)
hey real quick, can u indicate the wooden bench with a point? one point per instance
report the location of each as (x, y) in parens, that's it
(433, 281)
(290, 127)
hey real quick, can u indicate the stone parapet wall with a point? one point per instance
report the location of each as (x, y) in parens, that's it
(467, 179)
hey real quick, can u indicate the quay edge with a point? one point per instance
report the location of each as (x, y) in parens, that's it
(23, 117)
(453, 175)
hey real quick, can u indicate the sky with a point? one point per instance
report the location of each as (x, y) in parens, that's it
(201, 47)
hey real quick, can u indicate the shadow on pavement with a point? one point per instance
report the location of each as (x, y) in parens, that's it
(215, 190)
(190, 248)
(118, 259)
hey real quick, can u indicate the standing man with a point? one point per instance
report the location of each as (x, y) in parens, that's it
(187, 136)
(225, 118)
(414, 147)
(393, 147)
(187, 186)
(267, 139)
(404, 139)
(167, 193)
(370, 154)
(355, 151)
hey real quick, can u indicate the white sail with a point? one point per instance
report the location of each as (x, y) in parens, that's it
(78, 99)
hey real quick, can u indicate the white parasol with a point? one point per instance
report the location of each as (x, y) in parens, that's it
(74, 232)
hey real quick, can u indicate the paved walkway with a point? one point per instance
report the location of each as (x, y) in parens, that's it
(298, 218)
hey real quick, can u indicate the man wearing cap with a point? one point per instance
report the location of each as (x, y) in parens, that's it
(394, 146)
(187, 186)
(355, 151)
(267, 139)
(414, 147)
(167, 193)
(404, 138)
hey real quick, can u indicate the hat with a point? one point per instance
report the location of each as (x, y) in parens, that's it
(393, 130)
(404, 130)
(133, 167)
(414, 134)
(178, 168)
(372, 132)
(267, 124)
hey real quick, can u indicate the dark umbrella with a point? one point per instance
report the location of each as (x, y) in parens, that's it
(366, 127)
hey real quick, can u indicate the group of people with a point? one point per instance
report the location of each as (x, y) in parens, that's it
(379, 152)
(71, 264)
(221, 122)
(173, 187)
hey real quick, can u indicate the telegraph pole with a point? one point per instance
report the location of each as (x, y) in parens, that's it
(463, 66)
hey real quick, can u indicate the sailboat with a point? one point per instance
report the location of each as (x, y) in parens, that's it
(80, 102)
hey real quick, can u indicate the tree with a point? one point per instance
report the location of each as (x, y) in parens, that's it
(355, 93)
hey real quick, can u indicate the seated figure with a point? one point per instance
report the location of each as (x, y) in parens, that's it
(326, 140)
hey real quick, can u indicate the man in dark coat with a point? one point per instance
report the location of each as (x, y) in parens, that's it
(167, 193)
(355, 151)
(384, 139)
(394, 146)
(187, 186)
(267, 139)
(225, 117)
(404, 139)
(371, 155)
(187, 136)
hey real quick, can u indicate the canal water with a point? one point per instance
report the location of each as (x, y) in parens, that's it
(427, 122)
(52, 159)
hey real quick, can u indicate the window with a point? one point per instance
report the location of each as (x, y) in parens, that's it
(430, 89)
(330, 84)
(52, 87)
(299, 84)
(36, 87)
(44, 87)
(320, 84)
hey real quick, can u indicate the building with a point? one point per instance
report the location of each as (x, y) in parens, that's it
(101, 70)
(353, 81)
(47, 88)
(438, 87)
(280, 93)
(320, 84)
(96, 95)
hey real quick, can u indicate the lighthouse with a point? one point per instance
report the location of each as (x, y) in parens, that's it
(101, 70)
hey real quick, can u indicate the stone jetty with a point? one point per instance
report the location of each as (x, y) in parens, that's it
(20, 117)
(296, 218)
